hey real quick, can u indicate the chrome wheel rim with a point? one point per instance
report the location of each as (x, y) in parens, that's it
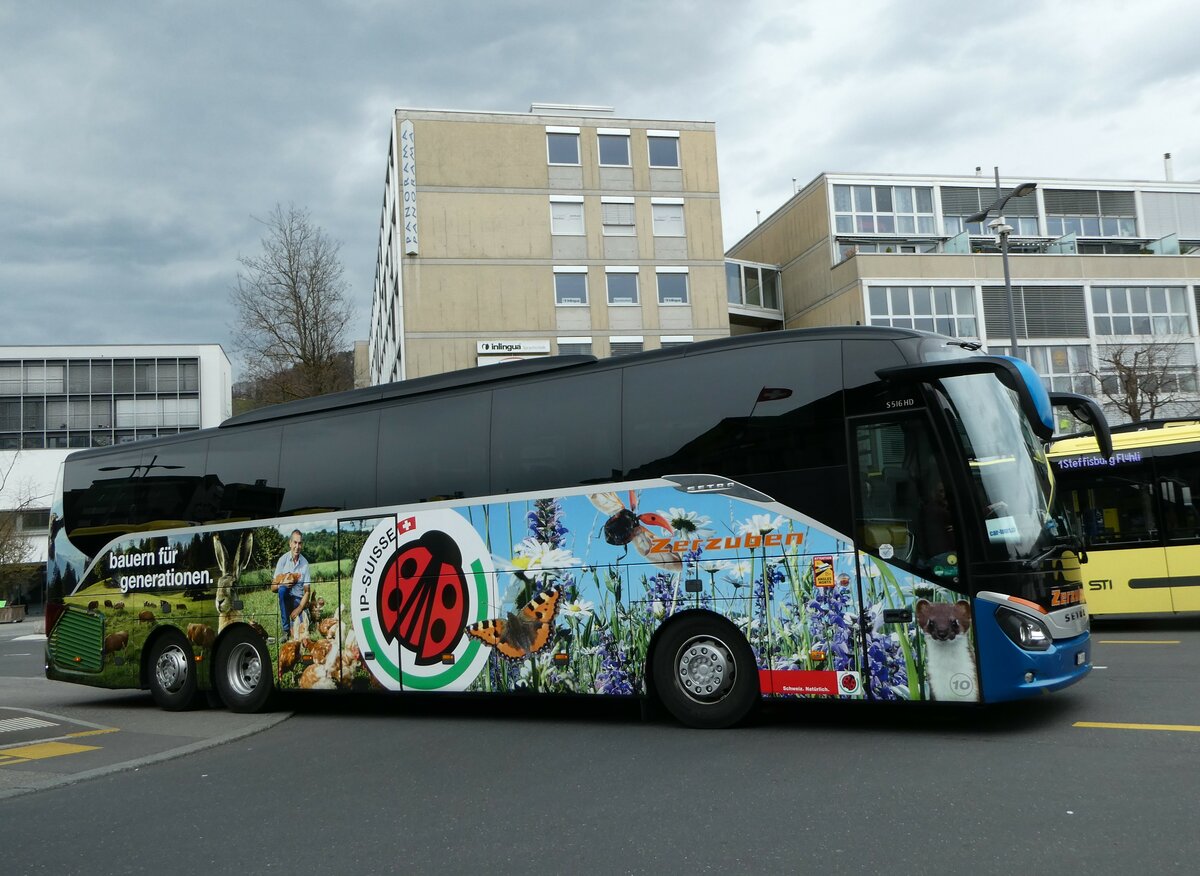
(704, 669)
(171, 668)
(243, 669)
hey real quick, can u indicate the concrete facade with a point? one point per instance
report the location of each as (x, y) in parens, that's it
(483, 227)
(1095, 265)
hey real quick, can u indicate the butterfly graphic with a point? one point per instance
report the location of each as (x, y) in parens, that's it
(523, 632)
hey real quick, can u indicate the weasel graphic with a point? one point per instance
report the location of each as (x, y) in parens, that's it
(949, 660)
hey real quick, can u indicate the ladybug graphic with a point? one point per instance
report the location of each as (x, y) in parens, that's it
(848, 683)
(422, 598)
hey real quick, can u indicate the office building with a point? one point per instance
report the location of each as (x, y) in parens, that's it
(562, 230)
(55, 399)
(1101, 269)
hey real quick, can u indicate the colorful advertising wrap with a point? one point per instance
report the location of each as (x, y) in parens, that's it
(554, 593)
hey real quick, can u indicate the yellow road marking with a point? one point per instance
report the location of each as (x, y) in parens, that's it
(1184, 728)
(1137, 641)
(91, 732)
(42, 751)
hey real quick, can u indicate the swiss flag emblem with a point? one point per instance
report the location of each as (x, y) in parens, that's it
(408, 524)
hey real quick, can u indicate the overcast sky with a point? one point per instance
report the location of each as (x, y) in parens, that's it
(138, 141)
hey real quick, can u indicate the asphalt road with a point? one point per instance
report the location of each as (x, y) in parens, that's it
(455, 786)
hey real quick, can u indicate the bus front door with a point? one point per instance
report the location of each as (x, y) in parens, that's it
(916, 616)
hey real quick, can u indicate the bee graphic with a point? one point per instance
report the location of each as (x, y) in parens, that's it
(625, 527)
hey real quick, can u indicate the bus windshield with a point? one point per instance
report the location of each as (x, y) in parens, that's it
(1012, 480)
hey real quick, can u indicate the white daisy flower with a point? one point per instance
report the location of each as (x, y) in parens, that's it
(537, 559)
(760, 524)
(577, 611)
(688, 524)
(738, 572)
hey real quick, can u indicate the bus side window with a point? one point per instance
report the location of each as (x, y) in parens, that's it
(556, 432)
(1179, 492)
(434, 448)
(321, 464)
(1117, 507)
(770, 416)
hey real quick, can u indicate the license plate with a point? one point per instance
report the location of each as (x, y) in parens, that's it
(1081, 658)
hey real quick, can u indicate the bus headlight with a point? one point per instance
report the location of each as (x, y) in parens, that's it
(1025, 631)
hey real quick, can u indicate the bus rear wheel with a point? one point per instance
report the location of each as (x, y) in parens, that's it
(704, 673)
(243, 671)
(172, 672)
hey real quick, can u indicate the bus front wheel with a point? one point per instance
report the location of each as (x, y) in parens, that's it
(243, 671)
(704, 673)
(172, 672)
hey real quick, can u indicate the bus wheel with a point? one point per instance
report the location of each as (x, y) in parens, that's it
(243, 671)
(172, 672)
(704, 673)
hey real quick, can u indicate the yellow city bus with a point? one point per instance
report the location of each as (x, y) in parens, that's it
(1138, 514)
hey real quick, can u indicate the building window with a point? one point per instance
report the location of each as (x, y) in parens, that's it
(624, 346)
(574, 346)
(562, 146)
(613, 147)
(947, 310)
(1089, 213)
(622, 285)
(1139, 310)
(959, 202)
(733, 282)
(10, 416)
(43, 379)
(570, 286)
(883, 209)
(566, 216)
(617, 217)
(664, 148)
(669, 341)
(1063, 368)
(36, 418)
(10, 379)
(672, 286)
(668, 217)
(1022, 226)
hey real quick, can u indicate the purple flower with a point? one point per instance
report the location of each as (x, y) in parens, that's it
(546, 526)
(833, 625)
(613, 677)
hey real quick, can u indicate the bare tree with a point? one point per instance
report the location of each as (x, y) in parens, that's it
(292, 309)
(1146, 379)
(16, 549)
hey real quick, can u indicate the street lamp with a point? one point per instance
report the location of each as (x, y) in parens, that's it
(1002, 230)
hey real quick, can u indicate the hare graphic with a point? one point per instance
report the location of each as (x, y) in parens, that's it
(227, 583)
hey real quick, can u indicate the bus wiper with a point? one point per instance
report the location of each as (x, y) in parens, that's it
(1061, 542)
(1034, 562)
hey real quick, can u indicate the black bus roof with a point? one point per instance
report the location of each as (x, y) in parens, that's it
(514, 372)
(536, 367)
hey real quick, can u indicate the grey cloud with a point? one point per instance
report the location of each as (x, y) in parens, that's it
(144, 137)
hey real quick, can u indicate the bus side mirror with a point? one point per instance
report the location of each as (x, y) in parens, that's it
(1087, 411)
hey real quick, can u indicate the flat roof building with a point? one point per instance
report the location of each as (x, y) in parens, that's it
(55, 399)
(1100, 269)
(561, 230)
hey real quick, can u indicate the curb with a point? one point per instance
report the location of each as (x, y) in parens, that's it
(46, 784)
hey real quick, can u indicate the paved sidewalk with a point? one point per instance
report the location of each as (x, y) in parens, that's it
(53, 733)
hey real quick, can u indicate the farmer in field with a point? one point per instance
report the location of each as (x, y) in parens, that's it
(291, 583)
